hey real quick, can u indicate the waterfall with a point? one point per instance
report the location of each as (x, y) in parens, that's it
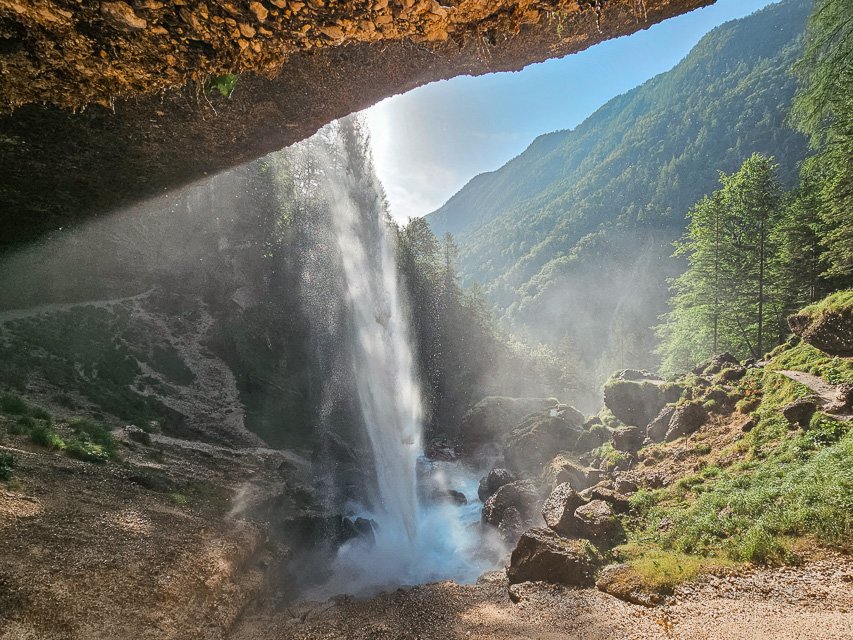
(382, 360)
(418, 535)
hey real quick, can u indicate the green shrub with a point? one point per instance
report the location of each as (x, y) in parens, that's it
(92, 432)
(7, 464)
(13, 404)
(44, 436)
(84, 449)
(40, 413)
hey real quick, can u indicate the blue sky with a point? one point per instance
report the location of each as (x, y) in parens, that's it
(429, 142)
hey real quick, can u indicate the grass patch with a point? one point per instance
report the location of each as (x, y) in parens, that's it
(609, 456)
(84, 449)
(804, 357)
(93, 441)
(658, 570)
(835, 303)
(803, 490)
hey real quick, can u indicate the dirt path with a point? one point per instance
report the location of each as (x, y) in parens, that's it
(810, 602)
(827, 392)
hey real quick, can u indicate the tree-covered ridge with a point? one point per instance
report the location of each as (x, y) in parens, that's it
(754, 255)
(578, 227)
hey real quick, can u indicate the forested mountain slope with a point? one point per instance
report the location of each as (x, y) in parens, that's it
(571, 239)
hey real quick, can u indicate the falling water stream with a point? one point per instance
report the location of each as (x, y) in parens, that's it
(417, 539)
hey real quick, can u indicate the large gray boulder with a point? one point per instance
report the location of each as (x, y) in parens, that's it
(638, 401)
(559, 509)
(537, 440)
(492, 481)
(595, 520)
(512, 508)
(563, 468)
(489, 421)
(542, 554)
(627, 438)
(828, 328)
(800, 411)
(657, 428)
(687, 418)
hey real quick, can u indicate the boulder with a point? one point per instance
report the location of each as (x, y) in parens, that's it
(843, 401)
(627, 438)
(595, 520)
(830, 330)
(732, 374)
(494, 480)
(625, 486)
(563, 469)
(801, 410)
(593, 436)
(537, 440)
(634, 374)
(559, 509)
(686, 419)
(716, 364)
(618, 502)
(137, 434)
(490, 420)
(656, 431)
(542, 554)
(512, 506)
(719, 396)
(638, 401)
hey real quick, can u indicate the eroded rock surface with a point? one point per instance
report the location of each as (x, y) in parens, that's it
(301, 64)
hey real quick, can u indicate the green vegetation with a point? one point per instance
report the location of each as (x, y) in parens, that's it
(13, 404)
(823, 110)
(93, 351)
(804, 357)
(609, 456)
(571, 239)
(659, 570)
(44, 436)
(833, 303)
(7, 465)
(224, 84)
(93, 441)
(725, 301)
(785, 488)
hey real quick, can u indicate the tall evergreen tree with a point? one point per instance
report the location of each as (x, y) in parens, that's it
(730, 297)
(824, 110)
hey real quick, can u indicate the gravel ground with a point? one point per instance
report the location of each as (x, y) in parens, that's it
(812, 601)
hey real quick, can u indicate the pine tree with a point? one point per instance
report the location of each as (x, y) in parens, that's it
(730, 296)
(823, 109)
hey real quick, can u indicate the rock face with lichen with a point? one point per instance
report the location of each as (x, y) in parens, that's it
(301, 64)
(74, 54)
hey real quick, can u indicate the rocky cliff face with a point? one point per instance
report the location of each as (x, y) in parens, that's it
(300, 65)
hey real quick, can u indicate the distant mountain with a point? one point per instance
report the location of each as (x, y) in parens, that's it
(571, 239)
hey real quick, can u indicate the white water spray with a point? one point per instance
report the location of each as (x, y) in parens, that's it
(417, 539)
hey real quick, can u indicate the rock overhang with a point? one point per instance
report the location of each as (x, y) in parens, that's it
(108, 103)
